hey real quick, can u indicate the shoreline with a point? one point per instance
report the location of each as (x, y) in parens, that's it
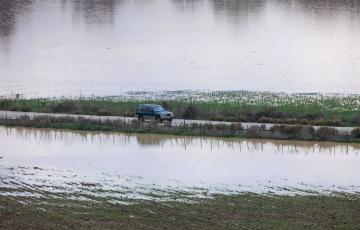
(234, 130)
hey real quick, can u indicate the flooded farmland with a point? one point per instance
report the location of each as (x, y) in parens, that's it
(92, 47)
(231, 68)
(119, 166)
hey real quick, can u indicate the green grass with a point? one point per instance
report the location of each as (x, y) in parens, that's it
(243, 211)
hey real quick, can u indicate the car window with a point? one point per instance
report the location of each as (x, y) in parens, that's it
(158, 108)
(147, 109)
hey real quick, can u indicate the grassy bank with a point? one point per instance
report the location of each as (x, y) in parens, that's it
(244, 211)
(331, 110)
(279, 132)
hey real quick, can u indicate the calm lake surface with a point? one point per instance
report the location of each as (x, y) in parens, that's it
(134, 165)
(105, 47)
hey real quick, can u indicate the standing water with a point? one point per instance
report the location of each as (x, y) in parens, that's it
(85, 47)
(129, 165)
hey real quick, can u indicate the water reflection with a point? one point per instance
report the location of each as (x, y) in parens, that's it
(238, 11)
(96, 11)
(49, 137)
(104, 11)
(322, 13)
(208, 44)
(325, 8)
(188, 5)
(10, 11)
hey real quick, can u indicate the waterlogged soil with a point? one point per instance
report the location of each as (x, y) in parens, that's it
(245, 211)
(123, 168)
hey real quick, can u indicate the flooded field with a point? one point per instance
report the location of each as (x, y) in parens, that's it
(86, 47)
(88, 165)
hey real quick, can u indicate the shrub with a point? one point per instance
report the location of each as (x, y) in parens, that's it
(240, 118)
(190, 112)
(326, 133)
(90, 108)
(356, 133)
(335, 122)
(250, 116)
(304, 122)
(266, 120)
(331, 122)
(289, 132)
(315, 116)
(217, 118)
(272, 113)
(21, 108)
(4, 103)
(103, 112)
(293, 132)
(66, 106)
(128, 114)
(165, 105)
(236, 127)
(254, 131)
(25, 108)
(356, 119)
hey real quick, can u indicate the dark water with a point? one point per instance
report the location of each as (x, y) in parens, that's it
(72, 47)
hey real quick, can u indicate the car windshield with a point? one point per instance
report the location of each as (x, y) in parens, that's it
(159, 108)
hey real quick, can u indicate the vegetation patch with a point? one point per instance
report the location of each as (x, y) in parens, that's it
(239, 106)
(281, 132)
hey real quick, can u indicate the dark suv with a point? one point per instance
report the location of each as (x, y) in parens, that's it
(154, 111)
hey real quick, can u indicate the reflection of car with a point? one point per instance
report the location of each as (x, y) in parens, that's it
(154, 111)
